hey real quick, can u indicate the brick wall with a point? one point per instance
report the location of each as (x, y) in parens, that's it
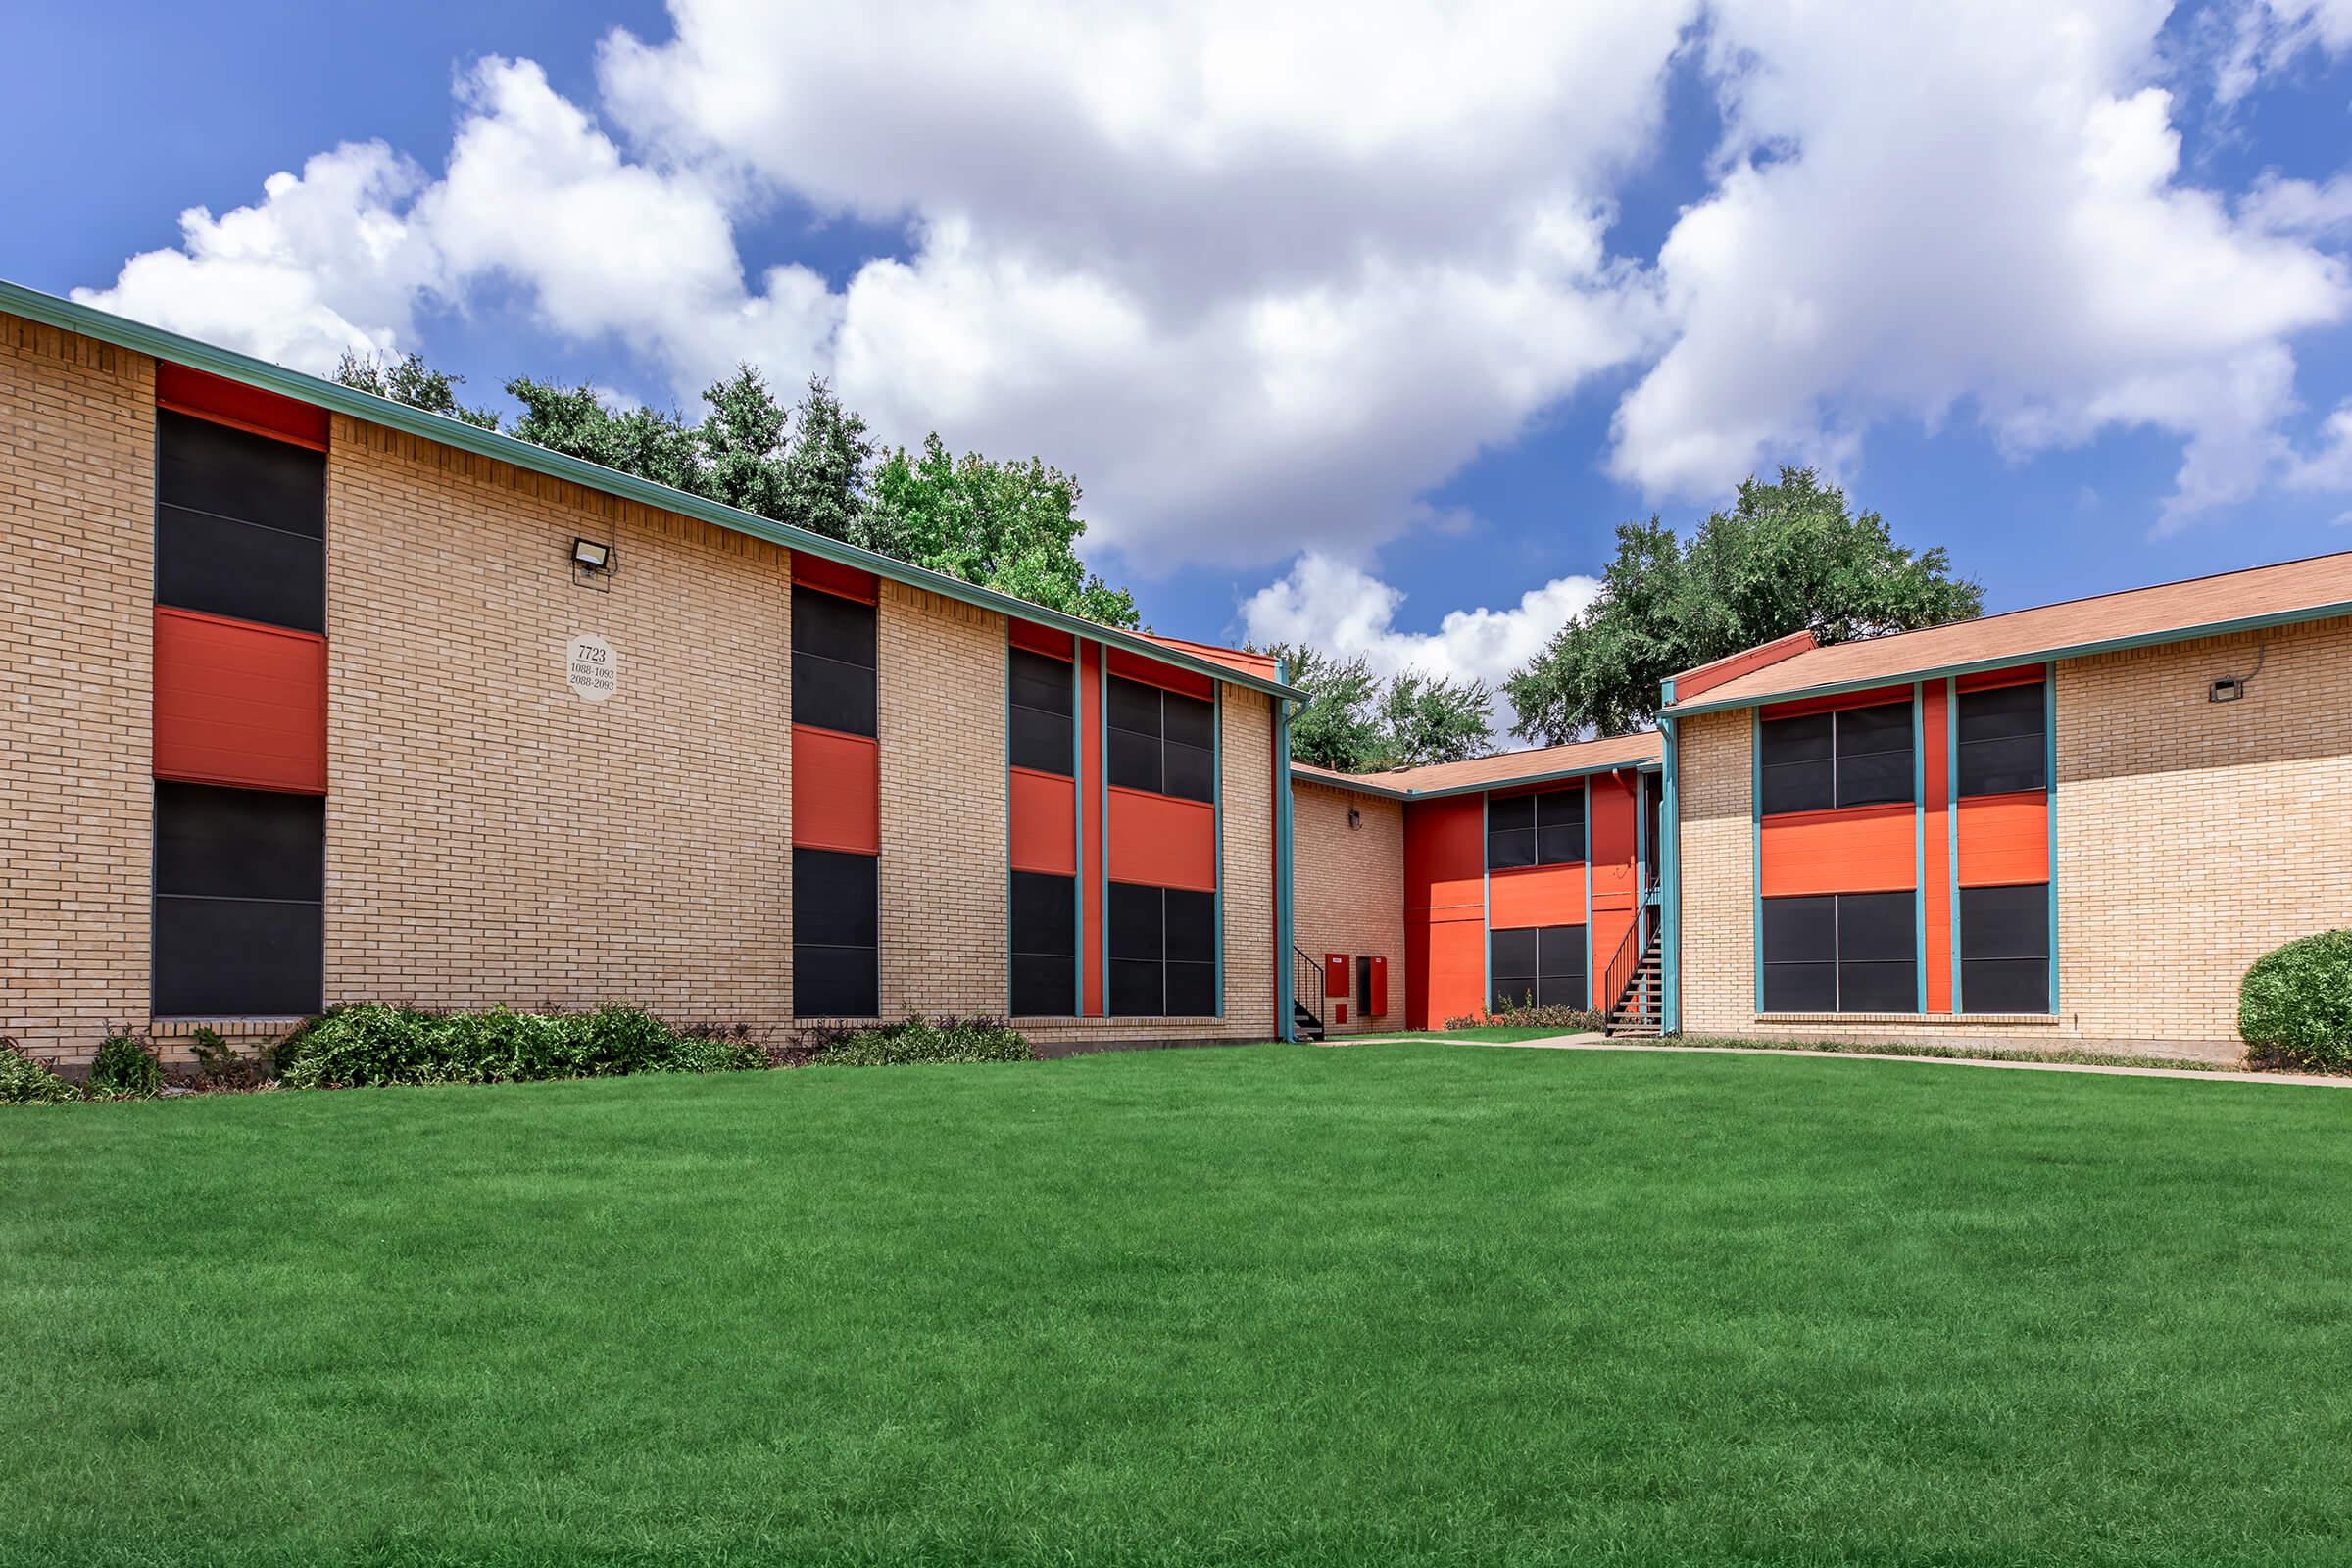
(945, 852)
(1350, 885)
(77, 607)
(1718, 954)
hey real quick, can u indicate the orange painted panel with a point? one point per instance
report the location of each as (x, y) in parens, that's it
(1045, 823)
(2004, 838)
(1162, 841)
(232, 403)
(1041, 639)
(1935, 834)
(1445, 971)
(1090, 836)
(836, 791)
(1985, 680)
(1446, 858)
(815, 571)
(1135, 666)
(1616, 889)
(1825, 705)
(239, 704)
(1862, 849)
(1536, 895)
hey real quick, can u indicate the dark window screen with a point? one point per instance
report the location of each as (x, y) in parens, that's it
(240, 525)
(238, 923)
(1163, 952)
(1546, 829)
(1044, 732)
(836, 935)
(2003, 740)
(832, 661)
(1853, 757)
(2005, 948)
(1799, 774)
(1160, 741)
(1045, 945)
(1841, 953)
(1873, 754)
(1541, 965)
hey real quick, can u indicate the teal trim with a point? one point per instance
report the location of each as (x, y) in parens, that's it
(1216, 817)
(1951, 822)
(1919, 840)
(2331, 611)
(1756, 842)
(1286, 1012)
(2050, 779)
(32, 305)
(1670, 879)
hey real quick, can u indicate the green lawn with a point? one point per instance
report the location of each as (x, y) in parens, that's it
(1277, 1304)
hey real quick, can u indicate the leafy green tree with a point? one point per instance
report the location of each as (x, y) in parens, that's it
(409, 379)
(646, 442)
(1340, 728)
(1430, 718)
(743, 442)
(1010, 526)
(827, 471)
(1787, 557)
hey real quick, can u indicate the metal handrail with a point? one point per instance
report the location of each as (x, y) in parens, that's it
(1618, 978)
(1306, 983)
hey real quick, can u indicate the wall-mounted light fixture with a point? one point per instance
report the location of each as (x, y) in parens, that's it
(2229, 688)
(1355, 818)
(592, 564)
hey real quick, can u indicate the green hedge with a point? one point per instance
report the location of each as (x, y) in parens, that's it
(26, 1082)
(926, 1040)
(126, 1069)
(2294, 1007)
(373, 1043)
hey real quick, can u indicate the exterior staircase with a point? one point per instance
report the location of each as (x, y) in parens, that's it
(1635, 1013)
(1306, 981)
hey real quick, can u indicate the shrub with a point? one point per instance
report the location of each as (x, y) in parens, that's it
(218, 1064)
(926, 1040)
(371, 1043)
(2294, 1007)
(26, 1082)
(126, 1069)
(1528, 1015)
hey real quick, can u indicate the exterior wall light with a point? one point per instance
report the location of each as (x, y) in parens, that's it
(1355, 818)
(2229, 689)
(590, 556)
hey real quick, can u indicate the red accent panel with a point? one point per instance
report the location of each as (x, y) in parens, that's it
(1862, 849)
(2004, 838)
(836, 791)
(232, 403)
(1706, 677)
(1616, 884)
(1162, 841)
(1380, 990)
(1249, 663)
(1045, 823)
(1335, 974)
(239, 704)
(1986, 680)
(1041, 639)
(1824, 705)
(1090, 818)
(1444, 908)
(815, 571)
(1536, 895)
(1135, 666)
(1935, 840)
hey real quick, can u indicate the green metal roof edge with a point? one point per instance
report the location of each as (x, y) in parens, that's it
(1346, 781)
(90, 321)
(2106, 645)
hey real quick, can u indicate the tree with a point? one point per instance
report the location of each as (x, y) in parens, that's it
(410, 380)
(827, 471)
(1787, 557)
(1010, 526)
(646, 442)
(1430, 718)
(743, 442)
(1340, 728)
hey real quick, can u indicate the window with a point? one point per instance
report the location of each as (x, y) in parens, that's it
(1160, 741)
(1536, 830)
(832, 661)
(1841, 953)
(836, 935)
(1163, 953)
(1045, 945)
(2003, 743)
(239, 886)
(1044, 736)
(1542, 964)
(240, 525)
(1853, 757)
(2005, 948)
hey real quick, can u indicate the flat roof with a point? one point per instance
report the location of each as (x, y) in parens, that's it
(1227, 664)
(1499, 771)
(2316, 588)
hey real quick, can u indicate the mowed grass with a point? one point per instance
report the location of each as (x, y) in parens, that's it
(1384, 1304)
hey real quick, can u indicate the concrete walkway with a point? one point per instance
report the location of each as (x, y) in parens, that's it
(1597, 1041)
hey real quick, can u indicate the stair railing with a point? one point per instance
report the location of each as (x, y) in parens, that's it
(1307, 986)
(1618, 978)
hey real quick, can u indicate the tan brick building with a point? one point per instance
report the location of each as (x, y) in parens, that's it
(310, 700)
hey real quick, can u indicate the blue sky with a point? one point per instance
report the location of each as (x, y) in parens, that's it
(1352, 330)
